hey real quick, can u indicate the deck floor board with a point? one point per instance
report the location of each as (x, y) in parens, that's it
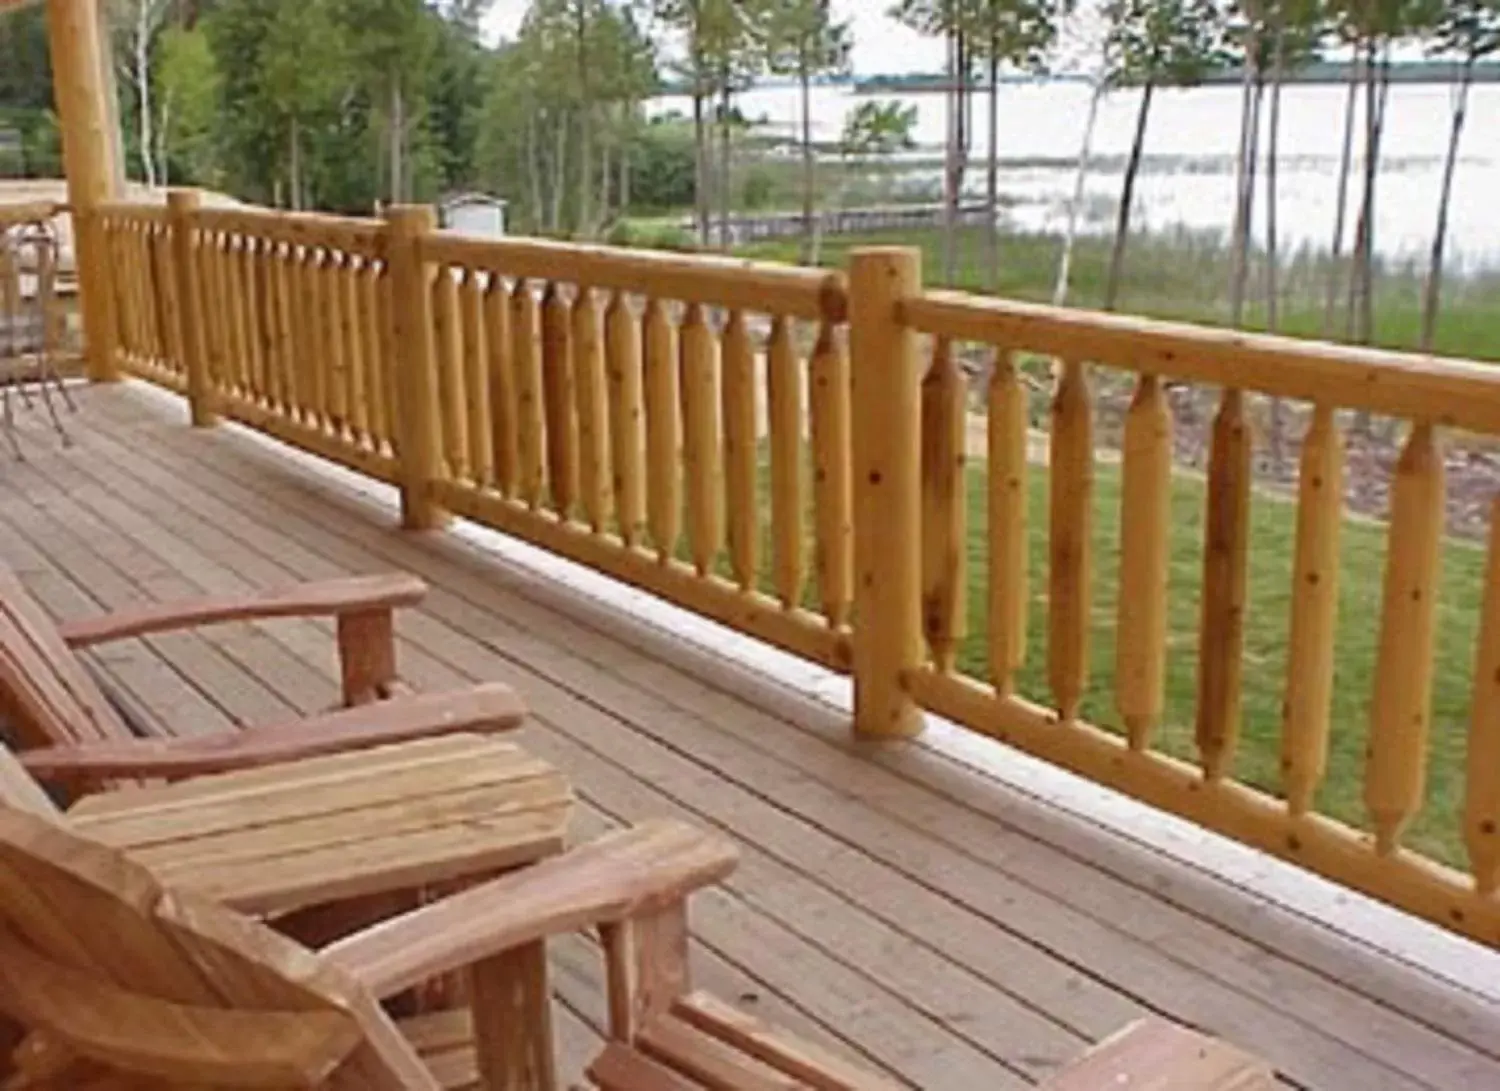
(890, 904)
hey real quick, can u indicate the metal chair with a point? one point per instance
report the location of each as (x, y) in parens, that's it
(31, 327)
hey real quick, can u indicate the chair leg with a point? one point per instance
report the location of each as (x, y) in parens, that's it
(646, 962)
(512, 1007)
(367, 655)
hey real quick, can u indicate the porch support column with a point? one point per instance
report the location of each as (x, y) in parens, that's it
(82, 88)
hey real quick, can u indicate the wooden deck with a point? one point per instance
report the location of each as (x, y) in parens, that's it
(891, 903)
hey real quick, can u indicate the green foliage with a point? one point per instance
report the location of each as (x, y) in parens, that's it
(560, 121)
(1467, 29)
(1016, 33)
(1163, 42)
(455, 94)
(25, 65)
(663, 164)
(803, 39)
(879, 129)
(187, 81)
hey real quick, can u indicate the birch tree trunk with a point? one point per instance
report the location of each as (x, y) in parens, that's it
(144, 19)
(1080, 186)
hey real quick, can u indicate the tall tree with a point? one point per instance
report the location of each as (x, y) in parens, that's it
(1154, 43)
(390, 44)
(454, 91)
(695, 20)
(949, 20)
(1294, 30)
(1468, 31)
(187, 78)
(1090, 51)
(1248, 33)
(804, 40)
(1008, 34)
(1341, 201)
(301, 95)
(136, 27)
(1375, 27)
(537, 116)
(736, 49)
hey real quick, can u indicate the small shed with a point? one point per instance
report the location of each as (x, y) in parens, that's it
(473, 214)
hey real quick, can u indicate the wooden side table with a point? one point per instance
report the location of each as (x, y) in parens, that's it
(279, 839)
(329, 845)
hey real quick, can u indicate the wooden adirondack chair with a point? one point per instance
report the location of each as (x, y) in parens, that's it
(51, 701)
(122, 984)
(484, 709)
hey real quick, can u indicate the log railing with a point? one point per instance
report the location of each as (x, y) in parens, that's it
(143, 306)
(693, 426)
(1425, 396)
(277, 321)
(620, 409)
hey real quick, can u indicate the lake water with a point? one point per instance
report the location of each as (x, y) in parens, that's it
(1190, 148)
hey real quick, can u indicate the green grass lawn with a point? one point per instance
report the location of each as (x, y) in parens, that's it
(1273, 526)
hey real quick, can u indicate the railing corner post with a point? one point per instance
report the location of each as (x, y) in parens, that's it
(96, 287)
(886, 387)
(182, 205)
(417, 435)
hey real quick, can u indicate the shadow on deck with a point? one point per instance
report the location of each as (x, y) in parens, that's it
(893, 903)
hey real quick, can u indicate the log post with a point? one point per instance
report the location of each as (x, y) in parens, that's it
(86, 118)
(418, 431)
(182, 204)
(887, 433)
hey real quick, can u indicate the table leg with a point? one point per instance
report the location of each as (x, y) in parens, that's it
(513, 1020)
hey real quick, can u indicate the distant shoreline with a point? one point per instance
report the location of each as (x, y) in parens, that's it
(931, 83)
(1322, 73)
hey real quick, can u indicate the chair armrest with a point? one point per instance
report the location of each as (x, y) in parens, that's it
(625, 875)
(487, 708)
(333, 598)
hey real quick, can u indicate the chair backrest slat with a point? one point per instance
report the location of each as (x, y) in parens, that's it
(164, 970)
(46, 693)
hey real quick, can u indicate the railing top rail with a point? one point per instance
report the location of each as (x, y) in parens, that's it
(816, 294)
(1440, 390)
(354, 234)
(148, 211)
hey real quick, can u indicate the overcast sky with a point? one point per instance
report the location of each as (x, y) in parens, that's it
(880, 44)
